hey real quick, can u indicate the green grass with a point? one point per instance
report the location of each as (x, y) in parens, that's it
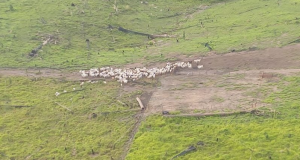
(236, 24)
(23, 28)
(44, 130)
(271, 136)
(239, 25)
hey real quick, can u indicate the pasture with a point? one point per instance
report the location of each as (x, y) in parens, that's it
(221, 25)
(36, 124)
(272, 134)
(249, 54)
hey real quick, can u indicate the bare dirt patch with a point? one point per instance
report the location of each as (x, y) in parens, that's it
(45, 73)
(36, 73)
(202, 91)
(227, 82)
(273, 58)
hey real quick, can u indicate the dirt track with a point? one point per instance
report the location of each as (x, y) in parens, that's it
(46, 73)
(225, 83)
(274, 58)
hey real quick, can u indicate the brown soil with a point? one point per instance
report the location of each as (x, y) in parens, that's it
(43, 73)
(227, 82)
(201, 91)
(35, 73)
(274, 58)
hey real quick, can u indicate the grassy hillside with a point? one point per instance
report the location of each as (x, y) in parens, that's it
(36, 124)
(44, 128)
(24, 24)
(223, 25)
(271, 136)
(239, 25)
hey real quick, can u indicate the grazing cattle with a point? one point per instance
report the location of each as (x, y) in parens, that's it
(125, 75)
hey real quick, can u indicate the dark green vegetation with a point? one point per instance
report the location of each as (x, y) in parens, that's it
(272, 135)
(35, 124)
(223, 27)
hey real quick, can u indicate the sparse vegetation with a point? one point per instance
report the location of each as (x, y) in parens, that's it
(217, 99)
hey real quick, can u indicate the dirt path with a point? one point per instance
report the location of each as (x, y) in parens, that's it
(274, 58)
(36, 73)
(211, 91)
(225, 83)
(229, 82)
(44, 73)
(140, 117)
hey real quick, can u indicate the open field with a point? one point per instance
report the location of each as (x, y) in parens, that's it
(101, 119)
(221, 86)
(226, 87)
(25, 24)
(238, 133)
(239, 25)
(35, 124)
(272, 135)
(226, 26)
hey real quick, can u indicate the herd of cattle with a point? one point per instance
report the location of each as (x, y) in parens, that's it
(128, 74)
